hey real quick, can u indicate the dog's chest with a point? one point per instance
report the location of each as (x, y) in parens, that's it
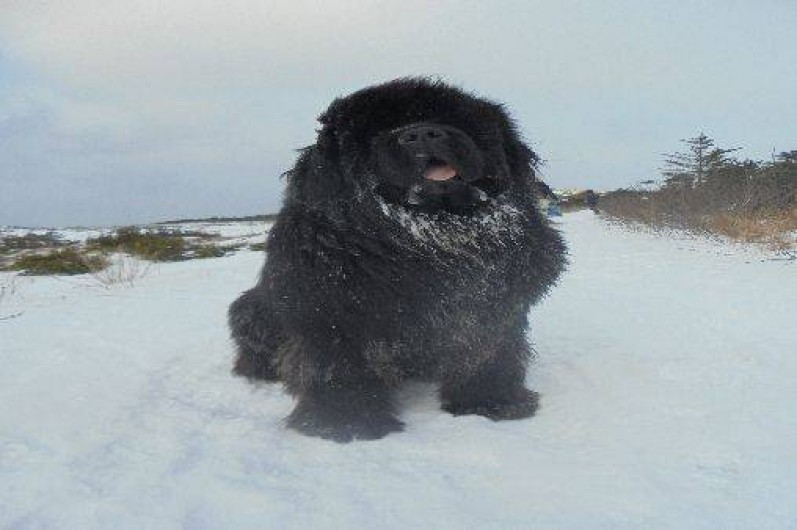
(478, 239)
(457, 269)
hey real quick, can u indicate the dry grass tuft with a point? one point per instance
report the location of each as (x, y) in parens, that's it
(773, 229)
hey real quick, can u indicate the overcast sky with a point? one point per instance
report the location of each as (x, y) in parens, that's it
(118, 112)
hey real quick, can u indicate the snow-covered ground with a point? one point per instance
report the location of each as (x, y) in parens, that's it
(668, 370)
(240, 231)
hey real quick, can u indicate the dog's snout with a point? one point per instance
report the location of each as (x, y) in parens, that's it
(420, 135)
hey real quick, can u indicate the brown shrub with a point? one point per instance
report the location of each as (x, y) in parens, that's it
(771, 228)
(68, 261)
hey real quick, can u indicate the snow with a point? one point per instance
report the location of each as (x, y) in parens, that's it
(666, 365)
(78, 235)
(227, 229)
(456, 233)
(236, 231)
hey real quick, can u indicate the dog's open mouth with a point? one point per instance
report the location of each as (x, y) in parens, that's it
(439, 170)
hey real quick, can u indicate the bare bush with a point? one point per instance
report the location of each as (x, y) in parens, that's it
(8, 289)
(745, 200)
(123, 270)
(66, 262)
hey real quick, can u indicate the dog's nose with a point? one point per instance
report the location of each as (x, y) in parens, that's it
(421, 135)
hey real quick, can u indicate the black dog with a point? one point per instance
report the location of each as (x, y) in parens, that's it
(408, 246)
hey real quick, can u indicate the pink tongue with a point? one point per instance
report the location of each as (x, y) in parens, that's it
(440, 173)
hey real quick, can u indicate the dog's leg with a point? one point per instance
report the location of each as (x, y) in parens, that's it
(496, 389)
(338, 400)
(256, 333)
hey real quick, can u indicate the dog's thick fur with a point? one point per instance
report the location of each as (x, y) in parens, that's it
(376, 273)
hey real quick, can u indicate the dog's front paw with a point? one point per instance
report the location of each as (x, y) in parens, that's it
(342, 426)
(519, 407)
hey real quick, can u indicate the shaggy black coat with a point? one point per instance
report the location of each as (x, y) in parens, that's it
(382, 267)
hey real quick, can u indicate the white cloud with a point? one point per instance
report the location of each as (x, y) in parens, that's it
(223, 90)
(158, 46)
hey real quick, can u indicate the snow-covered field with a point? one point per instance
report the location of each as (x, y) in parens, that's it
(227, 230)
(668, 368)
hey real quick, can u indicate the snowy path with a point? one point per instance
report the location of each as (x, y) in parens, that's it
(667, 368)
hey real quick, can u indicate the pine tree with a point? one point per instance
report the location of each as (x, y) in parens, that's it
(691, 168)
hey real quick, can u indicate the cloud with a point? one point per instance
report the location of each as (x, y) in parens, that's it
(163, 47)
(197, 106)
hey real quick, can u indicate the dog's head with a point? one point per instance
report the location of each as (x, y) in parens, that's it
(420, 143)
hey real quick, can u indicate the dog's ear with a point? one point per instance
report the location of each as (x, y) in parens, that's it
(315, 180)
(318, 179)
(522, 161)
(327, 140)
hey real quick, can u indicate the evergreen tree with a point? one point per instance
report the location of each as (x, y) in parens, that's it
(779, 180)
(692, 168)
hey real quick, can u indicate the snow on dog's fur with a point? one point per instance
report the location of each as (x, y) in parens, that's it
(408, 246)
